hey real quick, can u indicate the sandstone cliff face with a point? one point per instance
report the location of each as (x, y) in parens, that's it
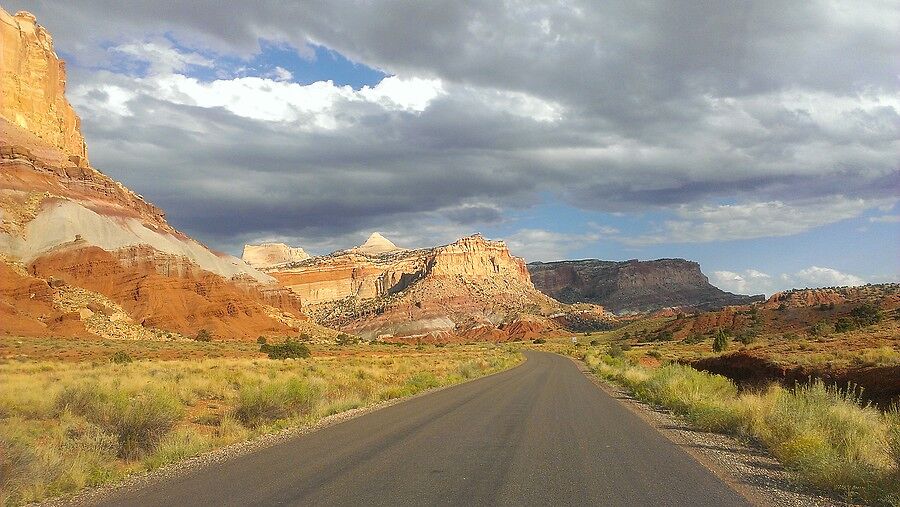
(74, 236)
(438, 293)
(267, 255)
(33, 80)
(632, 286)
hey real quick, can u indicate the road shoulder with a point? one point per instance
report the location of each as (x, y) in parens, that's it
(747, 469)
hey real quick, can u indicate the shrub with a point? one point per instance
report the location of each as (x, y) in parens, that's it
(843, 325)
(138, 421)
(271, 401)
(538, 341)
(746, 337)
(176, 446)
(121, 357)
(720, 341)
(693, 339)
(594, 343)
(203, 336)
(820, 328)
(467, 370)
(261, 340)
(663, 336)
(615, 350)
(344, 339)
(422, 381)
(866, 314)
(701, 397)
(825, 435)
(655, 354)
(290, 349)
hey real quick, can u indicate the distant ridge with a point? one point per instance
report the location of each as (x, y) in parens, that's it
(632, 286)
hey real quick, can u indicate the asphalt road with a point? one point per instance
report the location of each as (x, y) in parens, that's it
(539, 434)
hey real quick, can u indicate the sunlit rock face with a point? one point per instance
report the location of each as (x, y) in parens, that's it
(267, 255)
(33, 80)
(472, 287)
(72, 237)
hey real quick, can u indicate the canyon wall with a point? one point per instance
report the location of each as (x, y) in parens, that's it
(632, 286)
(81, 254)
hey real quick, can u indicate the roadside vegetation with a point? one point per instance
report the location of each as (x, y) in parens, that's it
(825, 435)
(69, 425)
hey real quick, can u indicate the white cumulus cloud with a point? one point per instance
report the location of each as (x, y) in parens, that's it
(752, 281)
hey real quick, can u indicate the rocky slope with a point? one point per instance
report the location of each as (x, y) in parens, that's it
(471, 289)
(71, 235)
(632, 286)
(267, 255)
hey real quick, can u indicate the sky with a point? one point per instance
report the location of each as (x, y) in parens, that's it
(761, 139)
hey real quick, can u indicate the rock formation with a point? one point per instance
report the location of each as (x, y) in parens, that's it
(470, 289)
(632, 286)
(33, 80)
(267, 255)
(375, 245)
(71, 236)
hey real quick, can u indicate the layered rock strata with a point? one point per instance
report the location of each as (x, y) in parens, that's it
(632, 286)
(67, 231)
(470, 288)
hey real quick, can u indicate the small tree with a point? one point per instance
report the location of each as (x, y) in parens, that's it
(203, 336)
(720, 342)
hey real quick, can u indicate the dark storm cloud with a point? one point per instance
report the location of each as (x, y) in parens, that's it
(653, 104)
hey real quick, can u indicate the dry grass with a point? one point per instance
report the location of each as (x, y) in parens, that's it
(69, 425)
(825, 435)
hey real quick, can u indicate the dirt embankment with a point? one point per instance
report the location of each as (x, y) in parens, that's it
(880, 384)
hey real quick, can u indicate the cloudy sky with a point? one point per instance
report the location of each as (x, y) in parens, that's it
(761, 139)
